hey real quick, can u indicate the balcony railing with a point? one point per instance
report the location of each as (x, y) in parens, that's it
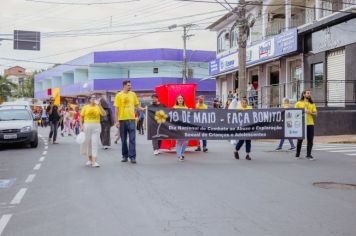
(332, 93)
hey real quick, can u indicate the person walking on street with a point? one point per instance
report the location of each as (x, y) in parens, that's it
(76, 121)
(90, 125)
(308, 105)
(201, 105)
(286, 105)
(244, 106)
(125, 103)
(53, 117)
(156, 144)
(106, 123)
(140, 120)
(181, 144)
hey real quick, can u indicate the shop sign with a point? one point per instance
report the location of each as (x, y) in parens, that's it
(334, 37)
(279, 45)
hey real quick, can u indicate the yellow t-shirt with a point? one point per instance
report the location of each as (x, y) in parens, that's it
(308, 107)
(202, 106)
(126, 103)
(180, 107)
(246, 108)
(91, 114)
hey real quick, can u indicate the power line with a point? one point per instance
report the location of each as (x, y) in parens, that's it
(269, 5)
(82, 3)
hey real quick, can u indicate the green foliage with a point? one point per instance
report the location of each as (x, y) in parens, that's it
(6, 88)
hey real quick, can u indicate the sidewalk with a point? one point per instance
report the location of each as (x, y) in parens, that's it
(336, 139)
(351, 139)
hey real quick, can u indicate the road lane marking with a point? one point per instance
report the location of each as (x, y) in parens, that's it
(37, 167)
(46, 147)
(351, 154)
(3, 222)
(18, 197)
(44, 153)
(30, 178)
(42, 159)
(345, 150)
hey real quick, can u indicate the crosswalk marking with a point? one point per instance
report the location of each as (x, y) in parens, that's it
(351, 154)
(344, 150)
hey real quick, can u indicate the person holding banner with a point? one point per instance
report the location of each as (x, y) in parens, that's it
(286, 105)
(244, 106)
(307, 103)
(181, 144)
(156, 144)
(201, 105)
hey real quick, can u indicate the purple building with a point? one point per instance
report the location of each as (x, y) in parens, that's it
(105, 71)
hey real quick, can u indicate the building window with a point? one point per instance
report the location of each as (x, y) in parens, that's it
(233, 36)
(223, 41)
(318, 75)
(155, 70)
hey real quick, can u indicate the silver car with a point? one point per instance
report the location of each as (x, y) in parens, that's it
(18, 125)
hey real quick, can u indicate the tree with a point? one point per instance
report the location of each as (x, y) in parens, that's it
(28, 90)
(6, 88)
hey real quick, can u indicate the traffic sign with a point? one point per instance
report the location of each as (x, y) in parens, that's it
(27, 40)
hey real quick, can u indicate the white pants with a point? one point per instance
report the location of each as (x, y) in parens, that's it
(91, 145)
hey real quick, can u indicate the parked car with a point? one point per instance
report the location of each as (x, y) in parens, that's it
(18, 125)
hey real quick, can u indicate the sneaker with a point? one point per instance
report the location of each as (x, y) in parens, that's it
(95, 164)
(181, 158)
(297, 156)
(248, 157)
(133, 161)
(115, 142)
(124, 160)
(205, 149)
(88, 163)
(292, 148)
(198, 149)
(106, 147)
(237, 156)
(279, 148)
(310, 158)
(54, 142)
(156, 152)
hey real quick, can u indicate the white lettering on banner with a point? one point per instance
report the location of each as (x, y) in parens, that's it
(266, 116)
(204, 118)
(228, 62)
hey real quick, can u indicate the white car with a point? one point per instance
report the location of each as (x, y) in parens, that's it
(18, 125)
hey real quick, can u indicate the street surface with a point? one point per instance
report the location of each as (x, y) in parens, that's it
(50, 192)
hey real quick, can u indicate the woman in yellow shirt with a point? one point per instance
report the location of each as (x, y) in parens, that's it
(181, 144)
(90, 124)
(244, 106)
(310, 110)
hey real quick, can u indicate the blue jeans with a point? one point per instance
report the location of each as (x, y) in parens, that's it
(205, 143)
(241, 142)
(181, 145)
(282, 142)
(127, 127)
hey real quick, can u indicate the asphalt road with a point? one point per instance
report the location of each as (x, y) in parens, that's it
(209, 194)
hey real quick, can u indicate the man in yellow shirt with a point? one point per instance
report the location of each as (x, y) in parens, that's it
(307, 103)
(203, 106)
(244, 106)
(125, 103)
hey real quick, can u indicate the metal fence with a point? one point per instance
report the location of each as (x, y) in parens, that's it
(332, 93)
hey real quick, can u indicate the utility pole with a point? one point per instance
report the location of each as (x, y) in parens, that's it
(185, 37)
(244, 24)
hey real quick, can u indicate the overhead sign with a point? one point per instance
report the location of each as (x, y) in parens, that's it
(27, 40)
(225, 124)
(276, 46)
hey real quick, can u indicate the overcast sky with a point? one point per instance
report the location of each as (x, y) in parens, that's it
(65, 27)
